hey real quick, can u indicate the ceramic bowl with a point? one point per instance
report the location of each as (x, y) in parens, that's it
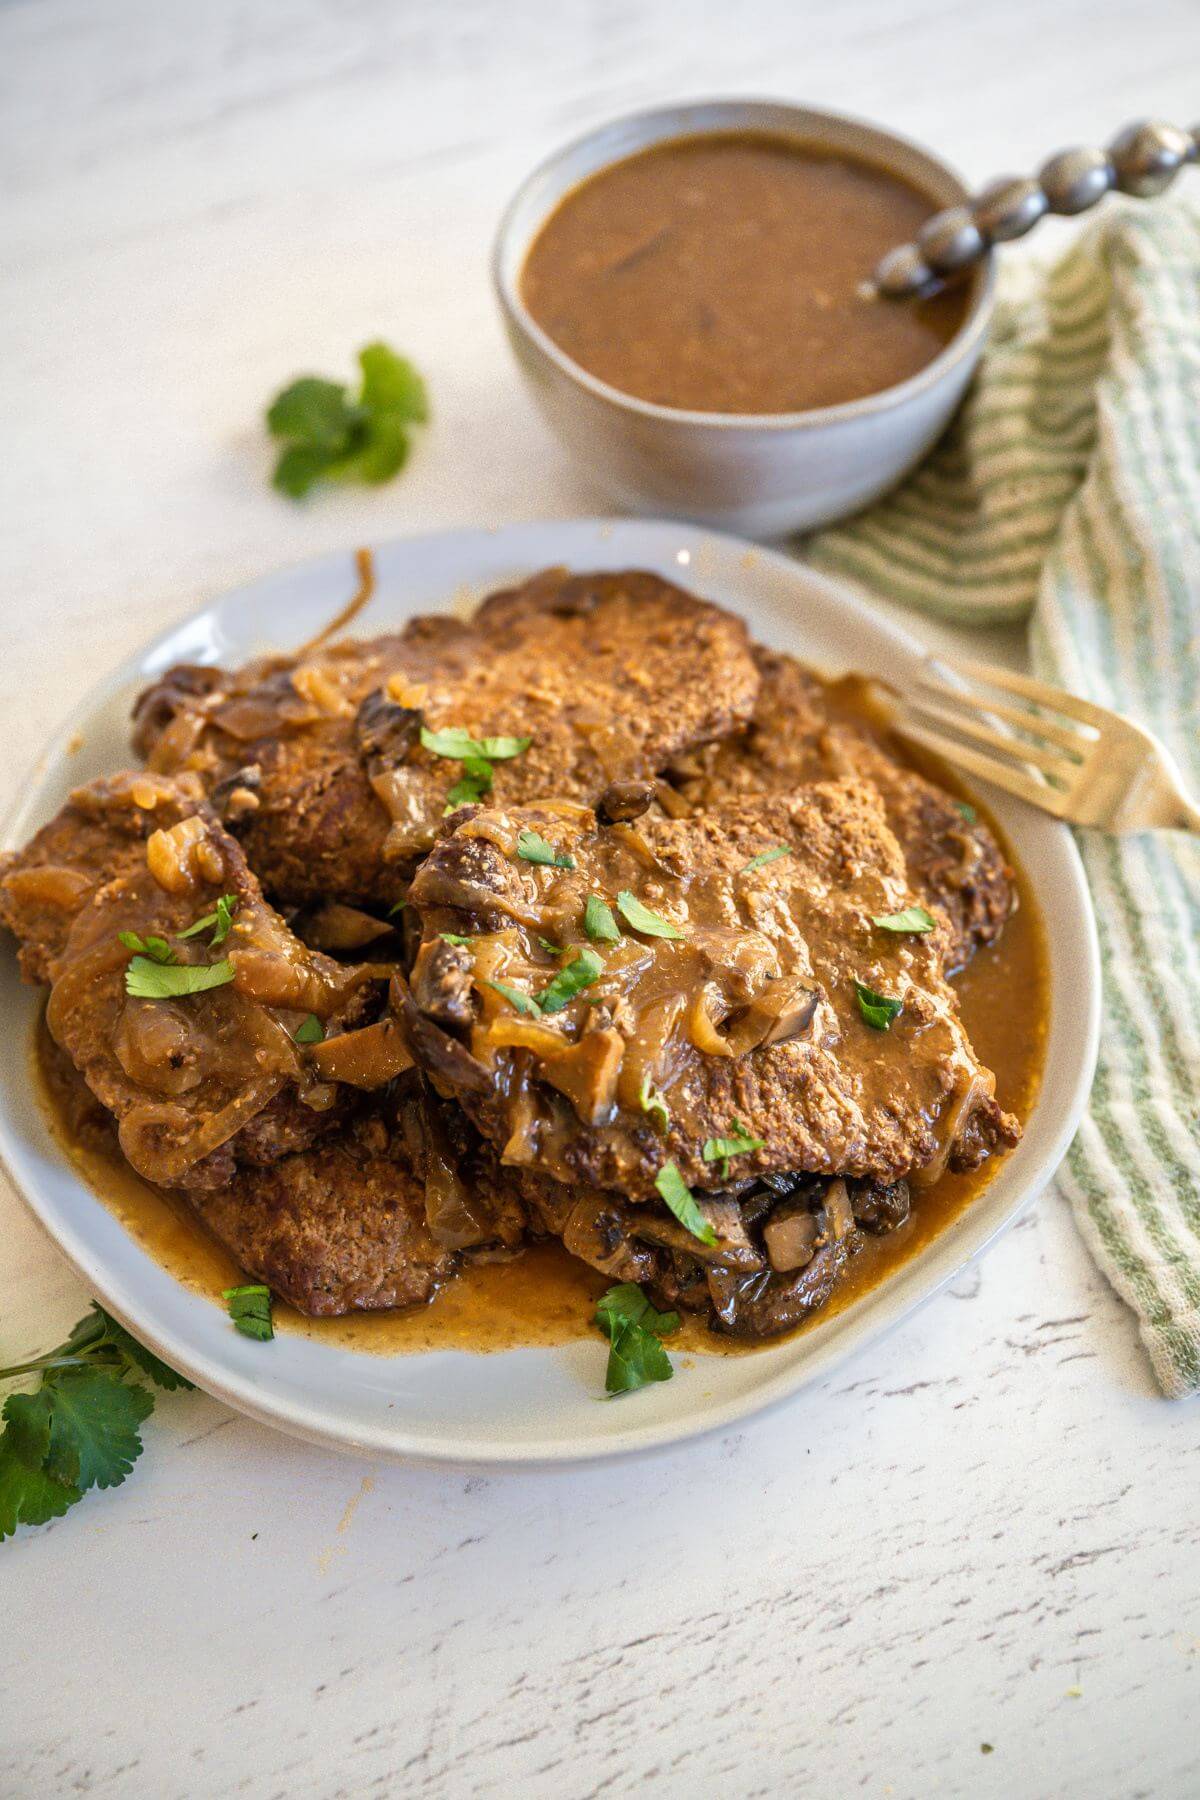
(761, 474)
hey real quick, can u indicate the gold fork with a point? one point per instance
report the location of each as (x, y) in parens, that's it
(1078, 761)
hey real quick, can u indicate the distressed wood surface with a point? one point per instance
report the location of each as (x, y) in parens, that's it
(982, 1532)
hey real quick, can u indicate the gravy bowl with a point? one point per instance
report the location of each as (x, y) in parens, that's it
(759, 474)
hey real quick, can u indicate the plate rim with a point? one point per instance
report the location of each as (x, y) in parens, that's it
(860, 1326)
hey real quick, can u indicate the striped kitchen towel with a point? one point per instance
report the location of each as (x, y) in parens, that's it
(1069, 490)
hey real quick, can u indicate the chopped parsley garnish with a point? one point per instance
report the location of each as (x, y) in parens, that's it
(250, 1310)
(766, 856)
(549, 948)
(738, 1143)
(599, 923)
(652, 1102)
(534, 849)
(149, 980)
(454, 937)
(678, 1196)
(79, 1428)
(640, 918)
(398, 908)
(913, 918)
(877, 1009)
(967, 810)
(310, 1031)
(220, 919)
(330, 436)
(633, 1329)
(524, 1003)
(460, 746)
(476, 781)
(578, 974)
(156, 948)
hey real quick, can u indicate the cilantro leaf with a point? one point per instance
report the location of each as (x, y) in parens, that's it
(391, 384)
(585, 969)
(399, 907)
(678, 1196)
(524, 1003)
(454, 937)
(766, 856)
(79, 1429)
(913, 918)
(28, 1496)
(220, 919)
(315, 413)
(738, 1143)
(534, 849)
(250, 1310)
(877, 1009)
(599, 923)
(453, 742)
(300, 467)
(476, 781)
(967, 810)
(327, 434)
(309, 1031)
(135, 1356)
(633, 1329)
(146, 980)
(652, 1102)
(156, 948)
(94, 1417)
(650, 924)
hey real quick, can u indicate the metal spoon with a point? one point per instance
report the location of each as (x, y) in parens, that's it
(1142, 160)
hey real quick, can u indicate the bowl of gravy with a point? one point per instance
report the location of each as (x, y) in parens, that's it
(688, 293)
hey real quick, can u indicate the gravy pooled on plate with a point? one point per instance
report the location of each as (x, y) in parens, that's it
(725, 273)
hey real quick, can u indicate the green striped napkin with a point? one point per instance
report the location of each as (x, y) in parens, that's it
(1069, 490)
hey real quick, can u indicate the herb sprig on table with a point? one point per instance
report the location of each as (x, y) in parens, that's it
(78, 1429)
(330, 435)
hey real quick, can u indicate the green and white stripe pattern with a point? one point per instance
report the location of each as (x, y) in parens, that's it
(1069, 488)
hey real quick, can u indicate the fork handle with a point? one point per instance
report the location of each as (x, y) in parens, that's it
(1142, 160)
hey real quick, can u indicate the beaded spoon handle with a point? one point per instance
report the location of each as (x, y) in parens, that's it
(1141, 160)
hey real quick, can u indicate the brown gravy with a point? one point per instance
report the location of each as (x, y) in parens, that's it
(547, 1297)
(726, 274)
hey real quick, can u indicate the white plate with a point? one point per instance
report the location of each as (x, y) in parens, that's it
(539, 1405)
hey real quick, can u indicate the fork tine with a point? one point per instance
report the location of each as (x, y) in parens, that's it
(1014, 781)
(1049, 761)
(1050, 729)
(1055, 699)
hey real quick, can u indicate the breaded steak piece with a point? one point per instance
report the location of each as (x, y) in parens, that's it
(317, 762)
(799, 734)
(717, 992)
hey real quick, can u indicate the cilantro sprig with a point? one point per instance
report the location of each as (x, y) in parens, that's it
(250, 1309)
(79, 1428)
(154, 971)
(329, 436)
(913, 918)
(147, 980)
(533, 848)
(738, 1142)
(877, 1009)
(633, 1329)
(679, 1198)
(640, 918)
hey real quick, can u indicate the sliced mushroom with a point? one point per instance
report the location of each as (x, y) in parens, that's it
(623, 800)
(384, 731)
(791, 1239)
(732, 1251)
(441, 982)
(763, 1305)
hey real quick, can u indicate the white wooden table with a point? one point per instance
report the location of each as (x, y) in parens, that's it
(983, 1532)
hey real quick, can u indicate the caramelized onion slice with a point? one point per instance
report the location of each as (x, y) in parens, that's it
(369, 1058)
